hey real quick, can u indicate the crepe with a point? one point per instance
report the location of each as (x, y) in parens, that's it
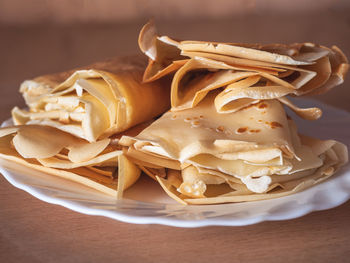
(244, 73)
(100, 165)
(200, 156)
(93, 102)
(226, 138)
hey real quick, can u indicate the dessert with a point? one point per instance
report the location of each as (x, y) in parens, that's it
(95, 101)
(75, 119)
(227, 137)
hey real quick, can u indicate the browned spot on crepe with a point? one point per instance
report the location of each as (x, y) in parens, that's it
(242, 129)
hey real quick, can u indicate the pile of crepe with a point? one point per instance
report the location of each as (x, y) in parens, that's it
(74, 120)
(227, 137)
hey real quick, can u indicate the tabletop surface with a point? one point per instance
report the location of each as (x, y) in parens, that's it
(35, 231)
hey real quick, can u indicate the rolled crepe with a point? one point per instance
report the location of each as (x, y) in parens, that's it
(94, 102)
(100, 165)
(200, 156)
(245, 73)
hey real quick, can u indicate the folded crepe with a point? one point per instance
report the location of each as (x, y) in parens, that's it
(197, 154)
(75, 119)
(95, 101)
(244, 73)
(200, 156)
(100, 165)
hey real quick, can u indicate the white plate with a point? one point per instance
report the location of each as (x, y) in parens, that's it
(146, 203)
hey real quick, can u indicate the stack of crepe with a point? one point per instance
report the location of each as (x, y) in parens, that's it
(227, 137)
(75, 119)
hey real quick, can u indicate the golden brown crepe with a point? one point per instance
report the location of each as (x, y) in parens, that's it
(76, 118)
(252, 154)
(99, 165)
(94, 102)
(245, 73)
(227, 137)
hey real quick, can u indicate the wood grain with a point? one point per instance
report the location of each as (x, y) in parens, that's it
(35, 231)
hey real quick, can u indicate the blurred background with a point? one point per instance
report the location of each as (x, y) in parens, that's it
(45, 36)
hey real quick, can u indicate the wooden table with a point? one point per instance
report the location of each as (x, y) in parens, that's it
(34, 231)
